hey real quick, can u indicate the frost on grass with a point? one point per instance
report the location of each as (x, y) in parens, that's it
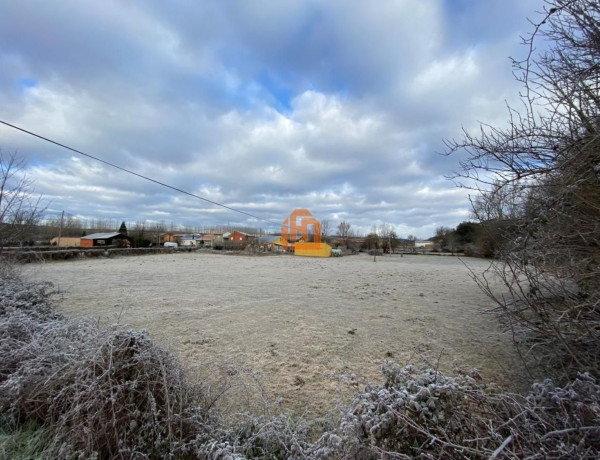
(18, 296)
(106, 393)
(420, 412)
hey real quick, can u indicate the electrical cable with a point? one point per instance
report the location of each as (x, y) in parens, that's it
(137, 174)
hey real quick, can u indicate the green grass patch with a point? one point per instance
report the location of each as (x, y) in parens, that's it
(27, 442)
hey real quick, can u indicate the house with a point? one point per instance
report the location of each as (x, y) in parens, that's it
(168, 238)
(102, 239)
(424, 244)
(218, 239)
(65, 242)
(210, 240)
(237, 237)
(207, 240)
(192, 239)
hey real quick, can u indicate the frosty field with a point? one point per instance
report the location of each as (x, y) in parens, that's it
(297, 323)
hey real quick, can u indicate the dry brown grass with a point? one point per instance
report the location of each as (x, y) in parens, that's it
(297, 323)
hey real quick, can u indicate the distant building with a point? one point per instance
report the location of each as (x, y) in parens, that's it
(424, 244)
(168, 238)
(207, 240)
(237, 236)
(102, 239)
(188, 239)
(65, 242)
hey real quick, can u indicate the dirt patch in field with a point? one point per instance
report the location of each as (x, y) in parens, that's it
(301, 325)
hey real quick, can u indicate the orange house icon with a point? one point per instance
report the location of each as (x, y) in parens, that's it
(296, 233)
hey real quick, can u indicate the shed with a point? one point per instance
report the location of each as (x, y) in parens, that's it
(102, 239)
(65, 242)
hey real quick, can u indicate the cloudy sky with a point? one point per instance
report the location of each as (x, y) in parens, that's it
(265, 106)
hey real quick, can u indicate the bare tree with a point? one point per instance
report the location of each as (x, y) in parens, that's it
(539, 184)
(343, 231)
(371, 241)
(140, 237)
(445, 237)
(325, 229)
(159, 229)
(100, 224)
(385, 232)
(20, 210)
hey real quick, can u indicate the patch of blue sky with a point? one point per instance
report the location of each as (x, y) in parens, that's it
(241, 97)
(39, 163)
(27, 83)
(281, 93)
(458, 6)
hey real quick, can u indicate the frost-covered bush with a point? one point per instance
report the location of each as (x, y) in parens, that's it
(281, 436)
(17, 295)
(560, 422)
(105, 392)
(420, 411)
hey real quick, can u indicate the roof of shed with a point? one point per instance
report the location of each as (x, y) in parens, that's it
(101, 236)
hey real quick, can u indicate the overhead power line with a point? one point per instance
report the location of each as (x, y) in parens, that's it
(137, 174)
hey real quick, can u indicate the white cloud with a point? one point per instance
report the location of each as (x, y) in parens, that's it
(339, 107)
(448, 74)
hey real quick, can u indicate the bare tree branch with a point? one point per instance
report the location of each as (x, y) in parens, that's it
(538, 191)
(20, 210)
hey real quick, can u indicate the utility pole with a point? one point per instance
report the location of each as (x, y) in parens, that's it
(62, 216)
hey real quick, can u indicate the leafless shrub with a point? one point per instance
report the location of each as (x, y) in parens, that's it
(111, 393)
(20, 211)
(281, 436)
(420, 413)
(538, 180)
(16, 295)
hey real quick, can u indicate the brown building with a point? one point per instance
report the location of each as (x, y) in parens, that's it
(102, 239)
(168, 238)
(65, 241)
(237, 237)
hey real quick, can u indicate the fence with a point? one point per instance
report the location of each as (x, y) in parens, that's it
(28, 255)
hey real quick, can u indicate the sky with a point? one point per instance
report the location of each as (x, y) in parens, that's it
(265, 106)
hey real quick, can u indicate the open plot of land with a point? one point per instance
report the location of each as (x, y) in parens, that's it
(297, 323)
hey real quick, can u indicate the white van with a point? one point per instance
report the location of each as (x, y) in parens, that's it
(169, 244)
